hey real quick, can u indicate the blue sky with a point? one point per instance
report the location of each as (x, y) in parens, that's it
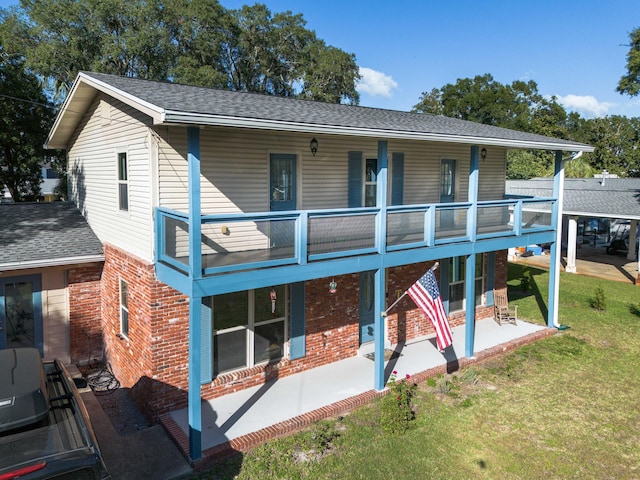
(573, 49)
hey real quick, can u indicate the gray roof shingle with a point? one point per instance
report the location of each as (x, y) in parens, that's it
(617, 198)
(206, 102)
(42, 233)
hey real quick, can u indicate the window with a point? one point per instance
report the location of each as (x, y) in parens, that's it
(248, 328)
(370, 179)
(123, 182)
(457, 299)
(124, 308)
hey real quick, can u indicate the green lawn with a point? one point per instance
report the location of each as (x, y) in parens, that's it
(564, 407)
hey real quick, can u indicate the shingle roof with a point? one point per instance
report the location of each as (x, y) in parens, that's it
(189, 104)
(617, 198)
(36, 234)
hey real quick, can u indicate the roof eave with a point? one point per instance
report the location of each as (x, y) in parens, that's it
(74, 107)
(56, 262)
(177, 117)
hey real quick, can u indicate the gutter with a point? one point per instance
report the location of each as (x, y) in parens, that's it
(5, 267)
(177, 117)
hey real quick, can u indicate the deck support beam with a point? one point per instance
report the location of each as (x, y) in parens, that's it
(195, 302)
(470, 260)
(379, 380)
(556, 246)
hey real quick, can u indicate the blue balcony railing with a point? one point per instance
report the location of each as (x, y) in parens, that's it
(247, 241)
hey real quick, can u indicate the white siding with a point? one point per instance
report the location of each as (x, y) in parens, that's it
(55, 315)
(93, 176)
(235, 169)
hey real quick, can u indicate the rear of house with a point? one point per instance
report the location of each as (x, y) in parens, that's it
(249, 237)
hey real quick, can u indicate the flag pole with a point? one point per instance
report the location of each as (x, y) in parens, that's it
(384, 314)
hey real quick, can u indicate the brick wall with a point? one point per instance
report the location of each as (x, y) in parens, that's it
(153, 361)
(85, 329)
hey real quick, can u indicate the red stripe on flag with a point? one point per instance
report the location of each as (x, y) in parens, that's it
(432, 308)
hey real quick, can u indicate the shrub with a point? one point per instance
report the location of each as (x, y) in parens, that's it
(397, 406)
(599, 301)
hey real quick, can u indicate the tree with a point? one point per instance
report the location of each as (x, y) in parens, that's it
(23, 129)
(518, 106)
(330, 76)
(630, 82)
(195, 42)
(616, 139)
(482, 99)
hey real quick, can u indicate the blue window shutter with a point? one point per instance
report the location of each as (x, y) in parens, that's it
(297, 342)
(206, 341)
(397, 178)
(355, 179)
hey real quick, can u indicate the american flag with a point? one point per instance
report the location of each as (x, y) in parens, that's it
(426, 295)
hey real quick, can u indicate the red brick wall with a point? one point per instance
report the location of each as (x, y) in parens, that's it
(153, 360)
(85, 328)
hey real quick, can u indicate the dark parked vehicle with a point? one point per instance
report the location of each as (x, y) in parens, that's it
(45, 431)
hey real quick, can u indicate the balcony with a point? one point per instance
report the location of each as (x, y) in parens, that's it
(249, 241)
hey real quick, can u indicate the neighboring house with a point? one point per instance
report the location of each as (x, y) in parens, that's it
(50, 268)
(249, 237)
(603, 197)
(49, 183)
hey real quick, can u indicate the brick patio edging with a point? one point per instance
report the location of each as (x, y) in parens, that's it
(251, 440)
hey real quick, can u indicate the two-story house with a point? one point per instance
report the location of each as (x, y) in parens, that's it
(247, 236)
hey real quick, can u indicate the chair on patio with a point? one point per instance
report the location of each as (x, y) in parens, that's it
(502, 313)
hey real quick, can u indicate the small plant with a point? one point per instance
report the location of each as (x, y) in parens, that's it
(469, 376)
(322, 436)
(599, 301)
(443, 386)
(397, 406)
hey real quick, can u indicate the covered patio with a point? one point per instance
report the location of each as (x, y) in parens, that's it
(240, 421)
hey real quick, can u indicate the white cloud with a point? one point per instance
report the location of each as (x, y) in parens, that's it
(375, 83)
(586, 104)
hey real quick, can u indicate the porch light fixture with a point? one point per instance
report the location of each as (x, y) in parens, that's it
(483, 154)
(313, 145)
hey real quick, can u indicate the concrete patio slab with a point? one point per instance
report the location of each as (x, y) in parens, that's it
(241, 420)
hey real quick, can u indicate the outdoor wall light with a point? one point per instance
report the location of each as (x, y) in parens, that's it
(483, 154)
(313, 145)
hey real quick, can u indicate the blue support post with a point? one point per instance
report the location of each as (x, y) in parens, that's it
(470, 301)
(472, 221)
(556, 246)
(470, 261)
(379, 288)
(195, 310)
(378, 379)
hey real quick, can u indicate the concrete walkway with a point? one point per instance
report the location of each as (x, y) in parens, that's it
(241, 420)
(593, 262)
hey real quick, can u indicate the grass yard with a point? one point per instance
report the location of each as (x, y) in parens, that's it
(564, 407)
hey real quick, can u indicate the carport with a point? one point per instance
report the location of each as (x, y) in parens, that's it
(600, 197)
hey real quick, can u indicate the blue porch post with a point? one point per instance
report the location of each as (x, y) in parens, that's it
(195, 310)
(556, 246)
(381, 239)
(470, 261)
(470, 303)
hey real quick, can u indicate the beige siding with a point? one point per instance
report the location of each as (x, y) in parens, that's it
(55, 315)
(235, 176)
(235, 163)
(111, 127)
